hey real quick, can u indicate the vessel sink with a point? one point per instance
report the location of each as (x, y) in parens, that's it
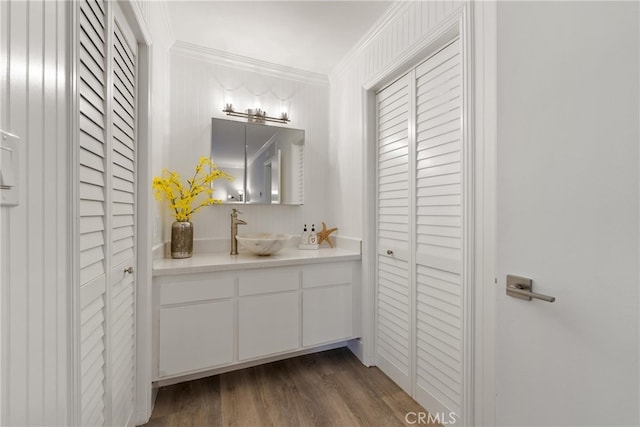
(262, 244)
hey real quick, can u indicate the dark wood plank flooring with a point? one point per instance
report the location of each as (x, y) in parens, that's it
(330, 388)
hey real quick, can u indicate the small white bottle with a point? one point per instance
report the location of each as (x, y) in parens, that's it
(304, 239)
(313, 237)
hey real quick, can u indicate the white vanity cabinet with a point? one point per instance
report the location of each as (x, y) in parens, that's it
(211, 321)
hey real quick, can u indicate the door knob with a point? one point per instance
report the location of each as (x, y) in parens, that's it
(129, 270)
(520, 287)
(389, 252)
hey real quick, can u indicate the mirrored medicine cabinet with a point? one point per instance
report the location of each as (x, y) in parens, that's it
(267, 162)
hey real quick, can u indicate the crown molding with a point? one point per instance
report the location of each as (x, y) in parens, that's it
(387, 18)
(220, 57)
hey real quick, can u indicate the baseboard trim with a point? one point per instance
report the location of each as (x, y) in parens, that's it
(249, 364)
(357, 348)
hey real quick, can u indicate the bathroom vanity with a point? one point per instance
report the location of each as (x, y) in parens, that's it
(215, 312)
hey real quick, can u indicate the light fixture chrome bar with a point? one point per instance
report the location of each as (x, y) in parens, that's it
(256, 115)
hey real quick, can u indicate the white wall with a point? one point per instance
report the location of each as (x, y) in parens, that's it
(397, 32)
(199, 87)
(156, 16)
(34, 234)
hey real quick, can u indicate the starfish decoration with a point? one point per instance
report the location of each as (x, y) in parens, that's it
(324, 234)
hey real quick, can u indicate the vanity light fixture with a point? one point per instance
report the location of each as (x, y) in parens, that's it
(256, 115)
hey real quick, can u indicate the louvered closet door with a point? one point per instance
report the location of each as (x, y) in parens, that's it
(123, 145)
(93, 189)
(420, 231)
(439, 231)
(393, 326)
(106, 86)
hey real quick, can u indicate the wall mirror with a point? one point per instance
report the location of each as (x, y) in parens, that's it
(266, 161)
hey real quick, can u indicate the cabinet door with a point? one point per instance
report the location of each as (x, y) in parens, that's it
(268, 324)
(195, 337)
(327, 314)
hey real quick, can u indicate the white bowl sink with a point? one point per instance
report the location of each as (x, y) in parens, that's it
(262, 243)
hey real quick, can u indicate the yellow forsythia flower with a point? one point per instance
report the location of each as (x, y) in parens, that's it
(183, 198)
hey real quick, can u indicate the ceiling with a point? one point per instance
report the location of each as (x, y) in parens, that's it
(307, 35)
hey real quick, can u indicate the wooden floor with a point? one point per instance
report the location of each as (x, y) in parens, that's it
(331, 388)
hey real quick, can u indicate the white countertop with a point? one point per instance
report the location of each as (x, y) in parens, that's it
(222, 261)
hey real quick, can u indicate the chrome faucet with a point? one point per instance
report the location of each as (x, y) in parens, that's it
(235, 222)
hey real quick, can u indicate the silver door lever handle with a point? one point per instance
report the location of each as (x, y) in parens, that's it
(520, 287)
(528, 295)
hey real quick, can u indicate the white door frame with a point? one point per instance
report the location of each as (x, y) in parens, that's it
(485, 132)
(475, 24)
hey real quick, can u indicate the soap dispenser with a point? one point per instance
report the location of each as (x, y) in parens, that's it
(313, 237)
(304, 239)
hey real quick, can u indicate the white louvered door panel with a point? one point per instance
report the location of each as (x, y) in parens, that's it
(123, 145)
(419, 300)
(439, 230)
(106, 205)
(393, 338)
(92, 210)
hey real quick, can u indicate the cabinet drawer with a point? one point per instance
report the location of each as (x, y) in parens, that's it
(200, 288)
(327, 274)
(268, 280)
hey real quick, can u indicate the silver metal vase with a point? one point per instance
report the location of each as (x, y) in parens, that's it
(181, 239)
